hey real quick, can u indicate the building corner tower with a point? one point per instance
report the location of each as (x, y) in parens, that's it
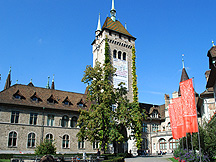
(120, 43)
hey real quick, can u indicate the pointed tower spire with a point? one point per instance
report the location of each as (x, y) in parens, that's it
(8, 81)
(183, 61)
(184, 75)
(53, 85)
(47, 86)
(113, 12)
(99, 24)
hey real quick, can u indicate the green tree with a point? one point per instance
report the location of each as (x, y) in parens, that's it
(45, 148)
(100, 123)
(207, 138)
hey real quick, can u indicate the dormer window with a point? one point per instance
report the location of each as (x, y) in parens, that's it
(51, 100)
(67, 102)
(155, 114)
(35, 98)
(81, 104)
(18, 95)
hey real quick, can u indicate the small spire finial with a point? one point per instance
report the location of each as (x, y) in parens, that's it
(213, 43)
(53, 78)
(99, 24)
(10, 70)
(183, 60)
(16, 81)
(53, 86)
(126, 26)
(48, 87)
(31, 80)
(113, 12)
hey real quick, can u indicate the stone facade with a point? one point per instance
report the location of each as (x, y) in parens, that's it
(17, 118)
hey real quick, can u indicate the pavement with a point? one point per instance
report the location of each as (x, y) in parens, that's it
(163, 158)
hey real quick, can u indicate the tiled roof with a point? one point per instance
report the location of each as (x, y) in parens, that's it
(44, 95)
(149, 108)
(212, 52)
(115, 26)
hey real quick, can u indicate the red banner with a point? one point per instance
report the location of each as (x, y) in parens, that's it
(189, 106)
(177, 104)
(173, 121)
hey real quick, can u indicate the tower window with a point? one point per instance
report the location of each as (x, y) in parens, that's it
(120, 36)
(124, 56)
(119, 55)
(114, 54)
(110, 33)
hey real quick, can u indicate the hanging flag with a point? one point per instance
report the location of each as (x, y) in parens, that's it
(173, 121)
(189, 106)
(177, 104)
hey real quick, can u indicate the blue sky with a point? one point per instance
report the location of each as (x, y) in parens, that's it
(39, 38)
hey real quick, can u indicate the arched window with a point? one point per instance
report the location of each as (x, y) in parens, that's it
(114, 53)
(65, 120)
(144, 145)
(12, 140)
(119, 55)
(124, 56)
(74, 122)
(49, 137)
(31, 140)
(65, 141)
(162, 144)
(173, 144)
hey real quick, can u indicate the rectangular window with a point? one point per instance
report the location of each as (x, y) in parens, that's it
(144, 128)
(14, 117)
(95, 145)
(50, 120)
(81, 145)
(33, 119)
(154, 127)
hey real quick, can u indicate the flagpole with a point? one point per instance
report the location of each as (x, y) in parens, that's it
(197, 122)
(186, 142)
(191, 141)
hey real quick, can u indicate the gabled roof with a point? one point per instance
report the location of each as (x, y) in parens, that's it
(115, 26)
(6, 97)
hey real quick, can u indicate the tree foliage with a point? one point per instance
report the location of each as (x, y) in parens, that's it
(45, 148)
(100, 123)
(137, 113)
(207, 134)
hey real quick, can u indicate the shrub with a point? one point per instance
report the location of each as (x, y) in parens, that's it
(47, 147)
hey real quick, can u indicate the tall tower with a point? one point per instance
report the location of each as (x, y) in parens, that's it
(120, 48)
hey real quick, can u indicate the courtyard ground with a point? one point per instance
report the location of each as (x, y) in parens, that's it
(164, 158)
